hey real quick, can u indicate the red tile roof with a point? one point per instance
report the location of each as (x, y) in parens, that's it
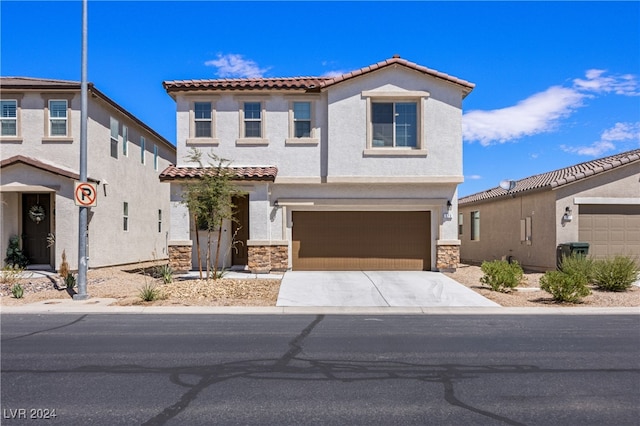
(265, 173)
(38, 164)
(560, 177)
(306, 83)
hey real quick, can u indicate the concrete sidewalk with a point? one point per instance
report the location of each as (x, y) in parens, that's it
(376, 288)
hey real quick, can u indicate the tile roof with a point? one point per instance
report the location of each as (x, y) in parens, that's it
(558, 178)
(31, 83)
(265, 173)
(306, 83)
(38, 164)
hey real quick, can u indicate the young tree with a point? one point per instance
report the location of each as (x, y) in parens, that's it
(209, 201)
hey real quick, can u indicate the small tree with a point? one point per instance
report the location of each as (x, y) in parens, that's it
(209, 201)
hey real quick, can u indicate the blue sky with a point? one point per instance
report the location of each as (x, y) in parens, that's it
(557, 83)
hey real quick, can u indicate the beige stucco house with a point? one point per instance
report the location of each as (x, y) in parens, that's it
(353, 172)
(39, 166)
(596, 202)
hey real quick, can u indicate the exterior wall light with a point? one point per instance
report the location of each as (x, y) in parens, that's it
(447, 215)
(567, 217)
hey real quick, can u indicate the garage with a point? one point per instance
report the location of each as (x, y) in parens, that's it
(610, 229)
(361, 240)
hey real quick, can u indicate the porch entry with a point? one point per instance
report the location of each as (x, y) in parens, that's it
(361, 240)
(240, 230)
(36, 226)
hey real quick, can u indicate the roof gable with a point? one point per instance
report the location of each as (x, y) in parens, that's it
(558, 178)
(38, 164)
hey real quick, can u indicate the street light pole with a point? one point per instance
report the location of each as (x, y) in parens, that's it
(82, 223)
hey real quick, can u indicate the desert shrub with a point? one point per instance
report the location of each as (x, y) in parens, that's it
(564, 287)
(70, 281)
(17, 291)
(11, 274)
(166, 273)
(615, 274)
(15, 255)
(578, 265)
(501, 275)
(64, 266)
(149, 292)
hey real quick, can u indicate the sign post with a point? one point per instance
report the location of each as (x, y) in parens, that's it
(85, 194)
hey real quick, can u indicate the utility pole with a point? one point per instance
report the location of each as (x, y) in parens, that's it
(82, 226)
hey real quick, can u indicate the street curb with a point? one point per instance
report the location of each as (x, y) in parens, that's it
(104, 306)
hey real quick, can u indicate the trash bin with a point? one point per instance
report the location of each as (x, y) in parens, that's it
(568, 249)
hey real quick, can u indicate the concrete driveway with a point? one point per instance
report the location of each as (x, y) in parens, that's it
(375, 288)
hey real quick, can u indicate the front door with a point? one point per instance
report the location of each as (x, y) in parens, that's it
(36, 226)
(240, 230)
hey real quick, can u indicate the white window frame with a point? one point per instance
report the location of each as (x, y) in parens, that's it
(192, 139)
(417, 97)
(474, 225)
(114, 125)
(243, 139)
(143, 148)
(64, 120)
(48, 138)
(125, 216)
(313, 138)
(155, 157)
(125, 140)
(14, 119)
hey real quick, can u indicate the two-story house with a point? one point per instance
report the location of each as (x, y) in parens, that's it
(40, 160)
(354, 172)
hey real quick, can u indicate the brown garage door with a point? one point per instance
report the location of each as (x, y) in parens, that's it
(345, 241)
(610, 229)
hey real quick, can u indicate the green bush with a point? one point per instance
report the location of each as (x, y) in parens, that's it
(149, 293)
(501, 275)
(564, 287)
(17, 291)
(578, 265)
(70, 281)
(615, 274)
(15, 255)
(166, 273)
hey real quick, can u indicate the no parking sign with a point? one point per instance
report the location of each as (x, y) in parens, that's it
(85, 194)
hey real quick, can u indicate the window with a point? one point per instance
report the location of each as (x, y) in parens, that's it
(202, 119)
(159, 220)
(302, 119)
(125, 216)
(475, 226)
(525, 230)
(460, 228)
(125, 140)
(252, 120)
(58, 118)
(114, 137)
(155, 157)
(394, 124)
(143, 142)
(9, 117)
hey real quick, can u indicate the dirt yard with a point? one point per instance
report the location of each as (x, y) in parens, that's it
(125, 287)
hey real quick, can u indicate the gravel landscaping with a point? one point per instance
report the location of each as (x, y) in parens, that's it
(125, 287)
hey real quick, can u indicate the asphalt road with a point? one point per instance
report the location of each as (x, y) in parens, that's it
(102, 369)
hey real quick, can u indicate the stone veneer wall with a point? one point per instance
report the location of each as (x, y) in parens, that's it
(264, 259)
(180, 257)
(448, 257)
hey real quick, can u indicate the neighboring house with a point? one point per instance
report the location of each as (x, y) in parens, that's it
(40, 158)
(353, 172)
(596, 202)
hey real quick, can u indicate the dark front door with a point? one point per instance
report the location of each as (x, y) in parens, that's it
(36, 226)
(240, 230)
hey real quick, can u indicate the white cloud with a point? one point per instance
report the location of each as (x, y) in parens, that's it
(597, 82)
(536, 114)
(542, 112)
(335, 73)
(474, 177)
(234, 65)
(621, 132)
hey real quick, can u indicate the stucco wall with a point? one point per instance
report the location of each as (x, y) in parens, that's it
(122, 179)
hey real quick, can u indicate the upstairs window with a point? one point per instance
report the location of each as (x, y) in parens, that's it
(9, 117)
(302, 119)
(252, 120)
(125, 140)
(143, 143)
(155, 157)
(202, 119)
(58, 118)
(394, 124)
(114, 137)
